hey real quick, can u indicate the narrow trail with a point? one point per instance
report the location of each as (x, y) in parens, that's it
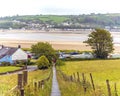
(55, 86)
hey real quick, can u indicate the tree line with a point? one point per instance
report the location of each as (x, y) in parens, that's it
(62, 21)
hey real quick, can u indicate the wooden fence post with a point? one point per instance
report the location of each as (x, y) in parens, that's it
(84, 83)
(74, 76)
(20, 80)
(39, 84)
(42, 83)
(35, 86)
(71, 78)
(108, 87)
(25, 77)
(115, 90)
(78, 77)
(92, 81)
(22, 92)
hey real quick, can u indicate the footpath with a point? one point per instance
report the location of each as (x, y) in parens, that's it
(55, 86)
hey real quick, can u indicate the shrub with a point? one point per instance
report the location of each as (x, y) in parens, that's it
(5, 64)
(21, 62)
(19, 65)
(43, 62)
(60, 63)
(29, 62)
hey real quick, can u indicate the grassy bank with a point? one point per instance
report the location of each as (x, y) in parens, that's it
(7, 82)
(100, 69)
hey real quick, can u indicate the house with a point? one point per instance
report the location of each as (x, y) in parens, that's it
(114, 55)
(11, 54)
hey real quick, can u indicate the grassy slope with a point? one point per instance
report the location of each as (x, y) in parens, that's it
(9, 81)
(101, 70)
(37, 76)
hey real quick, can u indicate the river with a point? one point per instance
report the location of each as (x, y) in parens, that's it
(51, 36)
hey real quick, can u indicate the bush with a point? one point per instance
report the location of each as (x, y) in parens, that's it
(5, 64)
(19, 65)
(60, 63)
(29, 62)
(43, 62)
(22, 62)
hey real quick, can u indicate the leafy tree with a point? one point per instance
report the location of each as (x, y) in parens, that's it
(46, 49)
(43, 62)
(101, 42)
(60, 63)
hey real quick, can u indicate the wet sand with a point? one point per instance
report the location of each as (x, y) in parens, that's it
(64, 45)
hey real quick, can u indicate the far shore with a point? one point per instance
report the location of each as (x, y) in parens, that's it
(61, 45)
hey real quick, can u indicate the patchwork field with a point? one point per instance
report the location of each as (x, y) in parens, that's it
(100, 69)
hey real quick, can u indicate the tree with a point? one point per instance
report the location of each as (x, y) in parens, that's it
(60, 62)
(43, 62)
(101, 42)
(45, 49)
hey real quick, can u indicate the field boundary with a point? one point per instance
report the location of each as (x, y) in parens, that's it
(22, 82)
(75, 77)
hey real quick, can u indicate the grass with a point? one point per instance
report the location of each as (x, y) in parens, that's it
(70, 88)
(38, 76)
(54, 18)
(100, 69)
(8, 68)
(7, 82)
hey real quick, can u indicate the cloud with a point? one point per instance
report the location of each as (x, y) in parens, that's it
(27, 7)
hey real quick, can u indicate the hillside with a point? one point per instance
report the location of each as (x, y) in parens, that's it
(45, 22)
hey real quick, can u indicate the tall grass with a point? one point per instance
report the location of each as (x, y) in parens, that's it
(9, 81)
(38, 76)
(100, 69)
(71, 88)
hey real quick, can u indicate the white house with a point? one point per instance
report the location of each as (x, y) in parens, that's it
(11, 54)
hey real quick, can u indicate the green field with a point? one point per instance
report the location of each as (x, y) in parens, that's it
(7, 82)
(100, 69)
(54, 18)
(8, 68)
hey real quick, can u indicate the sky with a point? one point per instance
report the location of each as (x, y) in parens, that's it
(57, 7)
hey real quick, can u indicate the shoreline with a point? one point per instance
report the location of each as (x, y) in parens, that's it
(58, 45)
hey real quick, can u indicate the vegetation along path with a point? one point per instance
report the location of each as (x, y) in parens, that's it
(55, 86)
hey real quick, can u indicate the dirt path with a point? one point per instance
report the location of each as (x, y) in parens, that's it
(55, 86)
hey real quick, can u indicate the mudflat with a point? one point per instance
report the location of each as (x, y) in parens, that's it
(57, 44)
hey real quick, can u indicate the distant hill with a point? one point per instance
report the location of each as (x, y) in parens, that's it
(45, 22)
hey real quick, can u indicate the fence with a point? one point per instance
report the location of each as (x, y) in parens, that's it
(84, 83)
(22, 81)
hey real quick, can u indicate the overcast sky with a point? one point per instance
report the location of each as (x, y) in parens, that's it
(57, 7)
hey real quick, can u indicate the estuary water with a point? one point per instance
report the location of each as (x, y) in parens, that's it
(51, 36)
